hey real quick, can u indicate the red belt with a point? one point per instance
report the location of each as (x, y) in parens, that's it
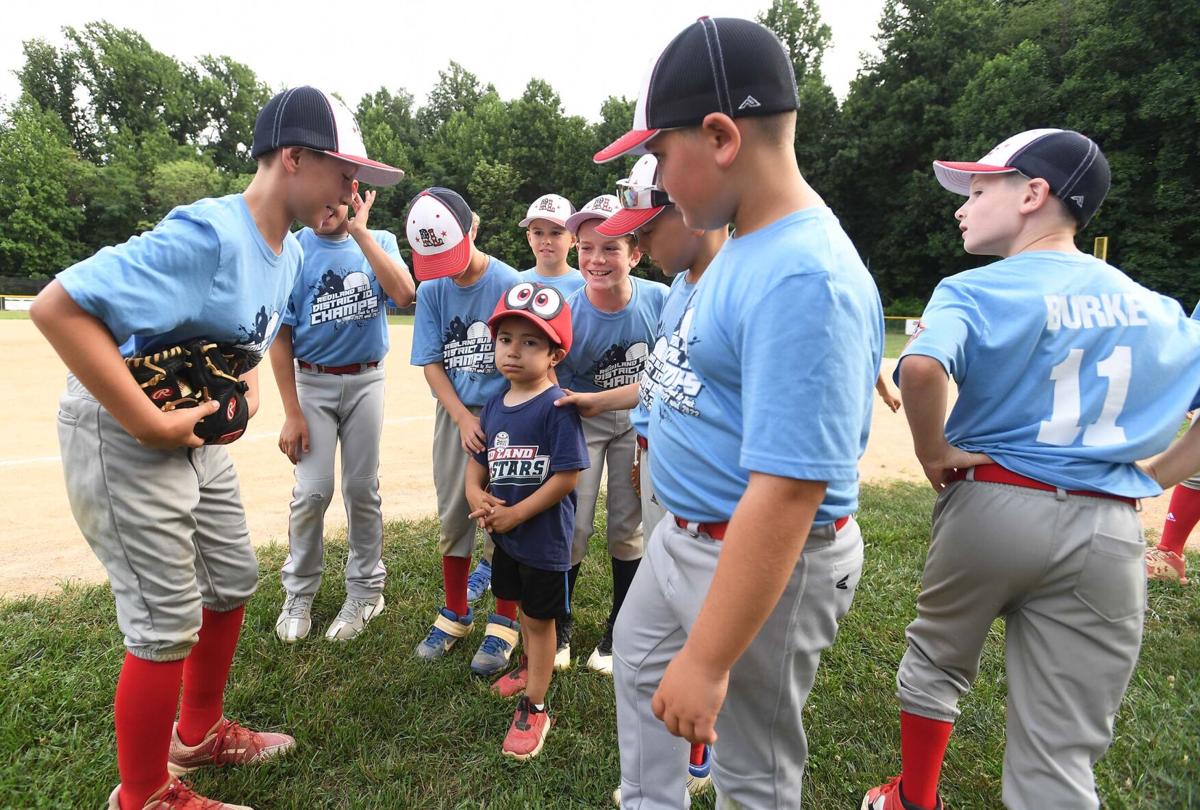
(353, 368)
(995, 474)
(717, 530)
(642, 442)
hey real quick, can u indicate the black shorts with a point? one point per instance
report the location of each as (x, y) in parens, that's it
(543, 594)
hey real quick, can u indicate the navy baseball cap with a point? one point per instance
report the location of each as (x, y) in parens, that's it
(721, 64)
(439, 233)
(308, 117)
(1072, 164)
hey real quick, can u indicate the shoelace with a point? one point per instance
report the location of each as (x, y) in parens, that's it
(181, 795)
(494, 645)
(231, 731)
(297, 606)
(352, 609)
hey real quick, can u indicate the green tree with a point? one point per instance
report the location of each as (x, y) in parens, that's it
(179, 182)
(490, 195)
(39, 210)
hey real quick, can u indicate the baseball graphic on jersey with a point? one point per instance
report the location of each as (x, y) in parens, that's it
(344, 299)
(468, 348)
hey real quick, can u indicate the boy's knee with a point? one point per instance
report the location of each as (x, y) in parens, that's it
(314, 492)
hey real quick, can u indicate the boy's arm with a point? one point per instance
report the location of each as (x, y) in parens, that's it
(1177, 462)
(393, 277)
(761, 547)
(476, 480)
(89, 351)
(612, 399)
(470, 433)
(252, 391)
(501, 518)
(293, 436)
(924, 386)
(885, 393)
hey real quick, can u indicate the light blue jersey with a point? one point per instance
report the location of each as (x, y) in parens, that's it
(609, 349)
(668, 320)
(1068, 371)
(565, 284)
(337, 309)
(451, 328)
(771, 369)
(203, 272)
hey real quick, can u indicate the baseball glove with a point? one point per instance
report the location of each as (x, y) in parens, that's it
(186, 376)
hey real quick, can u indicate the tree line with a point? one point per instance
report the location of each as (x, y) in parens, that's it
(109, 134)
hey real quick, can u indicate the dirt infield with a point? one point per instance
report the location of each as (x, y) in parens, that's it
(40, 545)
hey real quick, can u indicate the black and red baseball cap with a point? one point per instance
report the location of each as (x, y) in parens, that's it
(540, 304)
(438, 227)
(716, 64)
(1071, 163)
(308, 117)
(641, 198)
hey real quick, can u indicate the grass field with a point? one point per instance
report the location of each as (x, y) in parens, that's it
(14, 315)
(377, 729)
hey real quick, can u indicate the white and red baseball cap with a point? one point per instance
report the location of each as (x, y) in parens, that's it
(551, 207)
(601, 207)
(716, 64)
(308, 117)
(641, 198)
(438, 226)
(1071, 163)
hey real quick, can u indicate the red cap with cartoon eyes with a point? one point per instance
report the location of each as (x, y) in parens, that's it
(542, 305)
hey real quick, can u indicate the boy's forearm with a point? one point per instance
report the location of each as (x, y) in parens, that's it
(90, 352)
(923, 387)
(475, 481)
(761, 548)
(284, 369)
(252, 390)
(395, 280)
(1179, 461)
(443, 389)
(557, 487)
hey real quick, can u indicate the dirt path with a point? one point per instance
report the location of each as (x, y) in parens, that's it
(40, 546)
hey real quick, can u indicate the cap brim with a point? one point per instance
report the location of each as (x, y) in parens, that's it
(956, 176)
(575, 220)
(631, 143)
(534, 319)
(448, 263)
(525, 223)
(627, 220)
(372, 171)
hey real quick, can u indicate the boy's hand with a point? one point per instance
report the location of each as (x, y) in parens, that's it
(891, 400)
(361, 206)
(586, 404)
(470, 433)
(939, 470)
(175, 428)
(293, 438)
(689, 697)
(493, 515)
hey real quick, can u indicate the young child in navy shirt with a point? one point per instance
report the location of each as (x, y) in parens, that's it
(521, 488)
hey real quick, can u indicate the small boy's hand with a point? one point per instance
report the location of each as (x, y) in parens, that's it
(502, 519)
(471, 434)
(940, 470)
(586, 404)
(891, 400)
(176, 428)
(293, 438)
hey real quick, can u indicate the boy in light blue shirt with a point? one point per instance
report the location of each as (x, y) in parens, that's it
(1068, 372)
(550, 240)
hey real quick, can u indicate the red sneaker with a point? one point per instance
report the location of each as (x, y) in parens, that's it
(175, 795)
(527, 733)
(514, 682)
(227, 743)
(890, 797)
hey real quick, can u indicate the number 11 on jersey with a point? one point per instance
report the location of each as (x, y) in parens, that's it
(1063, 426)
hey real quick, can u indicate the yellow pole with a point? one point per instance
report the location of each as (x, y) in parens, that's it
(1100, 248)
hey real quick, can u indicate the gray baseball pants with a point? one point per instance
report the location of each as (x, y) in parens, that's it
(758, 762)
(1066, 573)
(611, 443)
(346, 408)
(167, 525)
(457, 537)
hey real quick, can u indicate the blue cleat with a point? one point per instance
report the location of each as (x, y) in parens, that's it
(479, 581)
(447, 629)
(499, 640)
(699, 773)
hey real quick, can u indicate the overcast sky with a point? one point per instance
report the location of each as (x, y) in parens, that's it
(586, 51)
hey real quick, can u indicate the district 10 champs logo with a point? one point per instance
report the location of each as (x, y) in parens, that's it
(516, 465)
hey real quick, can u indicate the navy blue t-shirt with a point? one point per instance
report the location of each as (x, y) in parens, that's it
(526, 444)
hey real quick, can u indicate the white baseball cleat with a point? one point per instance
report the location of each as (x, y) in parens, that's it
(353, 617)
(295, 620)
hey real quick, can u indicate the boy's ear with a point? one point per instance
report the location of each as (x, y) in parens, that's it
(1037, 193)
(290, 157)
(556, 356)
(722, 137)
